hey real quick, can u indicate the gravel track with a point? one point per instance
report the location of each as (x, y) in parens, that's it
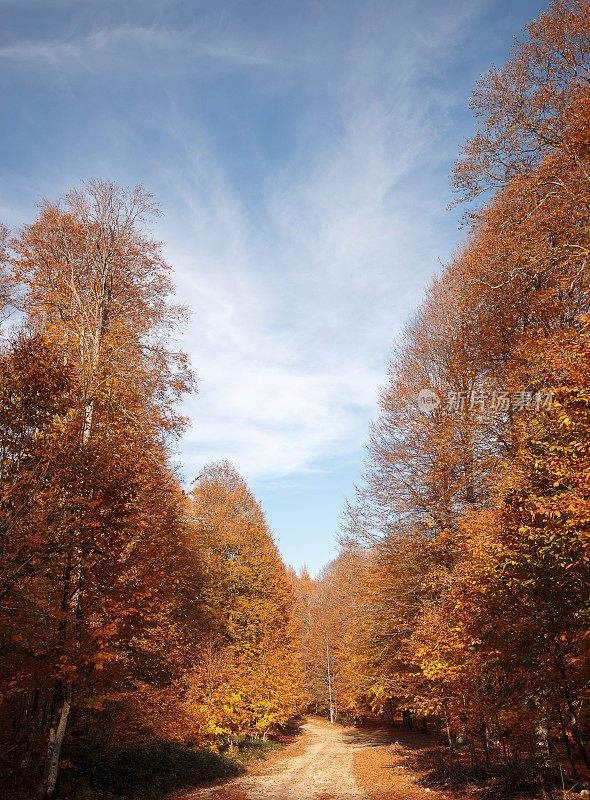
(330, 762)
(322, 769)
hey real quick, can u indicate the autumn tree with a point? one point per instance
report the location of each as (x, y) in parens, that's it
(513, 627)
(249, 678)
(473, 514)
(94, 287)
(6, 287)
(327, 636)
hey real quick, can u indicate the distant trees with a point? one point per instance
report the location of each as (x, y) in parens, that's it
(327, 637)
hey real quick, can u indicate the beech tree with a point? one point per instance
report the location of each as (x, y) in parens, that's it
(327, 636)
(95, 288)
(473, 517)
(252, 676)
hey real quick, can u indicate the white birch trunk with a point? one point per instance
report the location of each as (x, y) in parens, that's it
(56, 738)
(329, 682)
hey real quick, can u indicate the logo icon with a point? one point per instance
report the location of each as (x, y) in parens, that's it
(428, 401)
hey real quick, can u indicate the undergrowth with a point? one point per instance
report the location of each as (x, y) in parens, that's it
(154, 771)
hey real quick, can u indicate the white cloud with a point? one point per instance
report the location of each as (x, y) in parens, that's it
(188, 48)
(292, 324)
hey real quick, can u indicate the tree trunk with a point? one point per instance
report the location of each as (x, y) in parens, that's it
(542, 739)
(566, 738)
(56, 738)
(450, 740)
(573, 714)
(484, 741)
(329, 682)
(74, 575)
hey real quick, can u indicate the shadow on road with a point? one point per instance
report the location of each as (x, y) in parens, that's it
(378, 737)
(291, 730)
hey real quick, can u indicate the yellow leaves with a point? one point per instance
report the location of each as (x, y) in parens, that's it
(245, 675)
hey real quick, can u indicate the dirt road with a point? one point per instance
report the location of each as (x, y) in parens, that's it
(329, 762)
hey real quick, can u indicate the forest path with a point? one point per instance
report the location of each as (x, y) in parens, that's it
(330, 762)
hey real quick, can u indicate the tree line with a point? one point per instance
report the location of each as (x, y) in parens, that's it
(130, 611)
(462, 590)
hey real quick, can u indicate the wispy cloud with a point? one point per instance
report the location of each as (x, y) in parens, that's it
(125, 43)
(295, 307)
(274, 397)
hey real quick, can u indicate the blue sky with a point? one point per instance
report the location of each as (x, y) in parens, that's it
(300, 151)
